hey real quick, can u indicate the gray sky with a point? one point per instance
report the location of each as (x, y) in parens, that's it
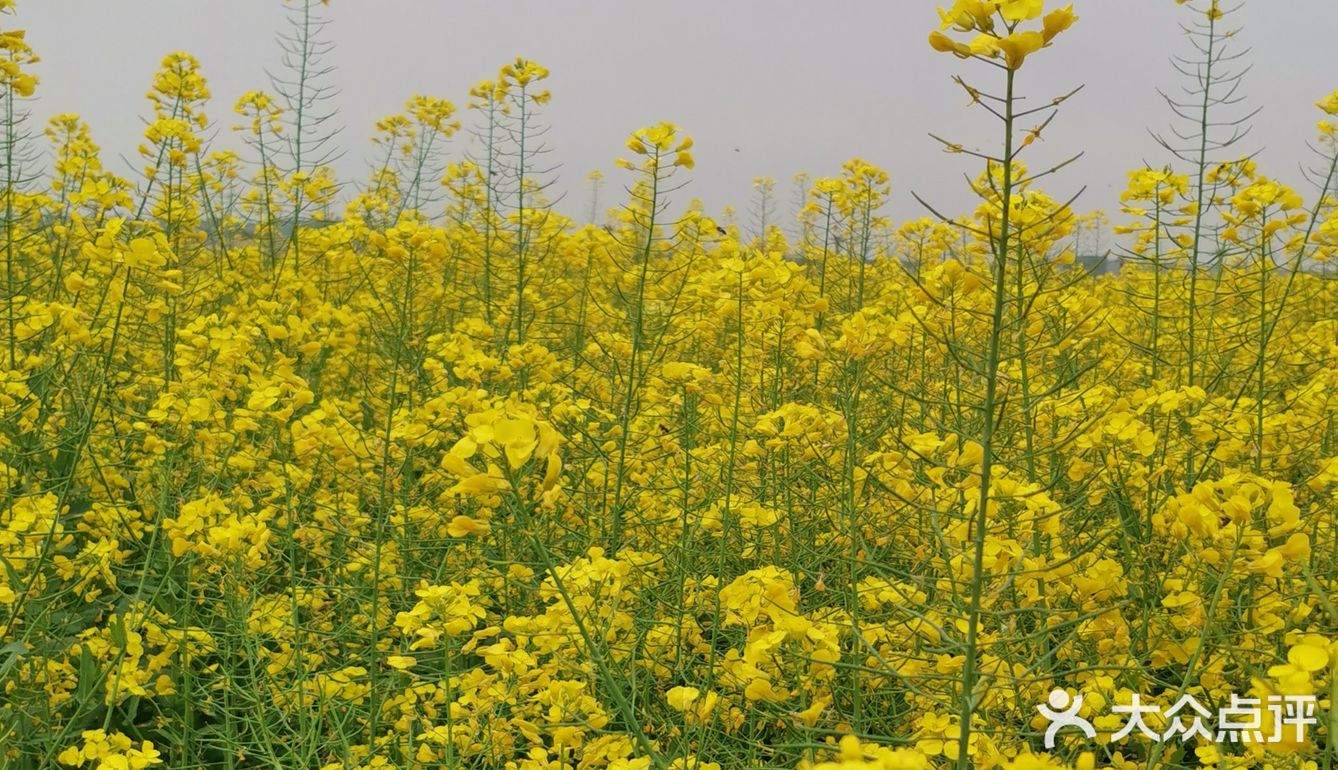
(795, 86)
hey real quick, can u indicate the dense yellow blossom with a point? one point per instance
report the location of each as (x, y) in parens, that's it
(421, 472)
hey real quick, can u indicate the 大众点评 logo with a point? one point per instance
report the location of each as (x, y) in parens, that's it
(1240, 721)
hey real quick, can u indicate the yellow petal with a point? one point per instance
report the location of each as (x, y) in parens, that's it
(459, 467)
(1057, 21)
(462, 526)
(1018, 45)
(679, 698)
(941, 42)
(401, 662)
(482, 484)
(1308, 657)
(551, 472)
(1297, 547)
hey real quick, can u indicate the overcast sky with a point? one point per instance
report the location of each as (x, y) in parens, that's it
(794, 86)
